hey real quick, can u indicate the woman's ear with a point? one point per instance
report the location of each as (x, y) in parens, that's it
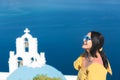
(101, 49)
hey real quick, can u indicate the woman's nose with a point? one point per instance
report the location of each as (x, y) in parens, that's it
(84, 40)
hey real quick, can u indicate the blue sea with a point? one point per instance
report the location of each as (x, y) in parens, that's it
(59, 27)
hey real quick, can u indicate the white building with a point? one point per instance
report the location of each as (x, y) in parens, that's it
(26, 53)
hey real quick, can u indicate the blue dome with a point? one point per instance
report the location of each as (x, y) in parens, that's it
(28, 73)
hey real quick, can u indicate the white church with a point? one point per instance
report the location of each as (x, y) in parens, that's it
(26, 55)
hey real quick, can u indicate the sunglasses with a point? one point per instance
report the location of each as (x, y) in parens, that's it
(86, 38)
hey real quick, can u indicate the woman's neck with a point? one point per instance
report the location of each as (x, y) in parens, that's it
(91, 58)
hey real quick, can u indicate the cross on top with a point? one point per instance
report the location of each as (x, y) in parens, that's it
(26, 30)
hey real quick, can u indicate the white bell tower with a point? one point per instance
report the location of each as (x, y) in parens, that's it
(26, 53)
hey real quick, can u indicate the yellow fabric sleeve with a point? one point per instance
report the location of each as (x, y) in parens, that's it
(109, 68)
(78, 63)
(97, 72)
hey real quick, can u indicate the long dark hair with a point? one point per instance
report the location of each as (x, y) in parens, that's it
(97, 43)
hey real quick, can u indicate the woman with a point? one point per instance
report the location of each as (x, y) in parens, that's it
(92, 64)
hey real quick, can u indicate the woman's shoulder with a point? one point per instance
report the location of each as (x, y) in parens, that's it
(97, 68)
(83, 54)
(78, 62)
(109, 68)
(96, 71)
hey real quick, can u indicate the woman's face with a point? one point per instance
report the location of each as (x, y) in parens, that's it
(87, 43)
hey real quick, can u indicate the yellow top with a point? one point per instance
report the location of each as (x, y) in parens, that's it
(94, 71)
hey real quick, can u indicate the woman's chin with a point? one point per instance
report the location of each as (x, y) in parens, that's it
(84, 47)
